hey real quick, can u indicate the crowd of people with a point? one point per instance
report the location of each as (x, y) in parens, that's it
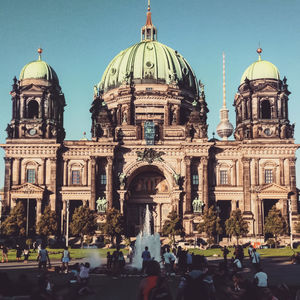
(195, 277)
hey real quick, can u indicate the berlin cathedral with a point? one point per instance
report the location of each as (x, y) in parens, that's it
(149, 143)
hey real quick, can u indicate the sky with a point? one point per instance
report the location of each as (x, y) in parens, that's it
(80, 38)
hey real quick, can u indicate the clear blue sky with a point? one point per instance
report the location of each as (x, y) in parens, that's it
(80, 38)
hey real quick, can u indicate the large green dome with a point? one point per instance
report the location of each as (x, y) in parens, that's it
(38, 69)
(259, 70)
(149, 62)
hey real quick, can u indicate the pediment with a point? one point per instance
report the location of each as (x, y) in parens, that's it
(27, 188)
(32, 88)
(267, 88)
(273, 188)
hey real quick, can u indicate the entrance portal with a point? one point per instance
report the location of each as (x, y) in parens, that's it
(147, 187)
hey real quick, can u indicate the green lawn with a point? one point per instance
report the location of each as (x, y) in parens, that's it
(55, 254)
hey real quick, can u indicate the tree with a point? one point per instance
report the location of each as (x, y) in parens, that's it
(210, 225)
(236, 225)
(114, 225)
(48, 224)
(172, 226)
(83, 222)
(15, 223)
(275, 224)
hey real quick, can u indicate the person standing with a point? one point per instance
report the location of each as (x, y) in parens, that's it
(109, 259)
(43, 257)
(167, 259)
(18, 252)
(26, 255)
(250, 251)
(65, 260)
(189, 260)
(4, 253)
(225, 253)
(255, 258)
(146, 256)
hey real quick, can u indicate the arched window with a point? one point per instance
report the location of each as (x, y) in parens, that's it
(265, 109)
(33, 109)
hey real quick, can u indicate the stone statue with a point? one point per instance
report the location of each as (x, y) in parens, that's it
(122, 178)
(9, 131)
(101, 205)
(176, 178)
(95, 91)
(198, 205)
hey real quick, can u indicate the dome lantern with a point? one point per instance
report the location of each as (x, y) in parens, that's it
(148, 31)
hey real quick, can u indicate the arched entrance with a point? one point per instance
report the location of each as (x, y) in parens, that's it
(147, 185)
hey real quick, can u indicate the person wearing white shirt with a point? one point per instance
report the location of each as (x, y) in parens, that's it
(261, 278)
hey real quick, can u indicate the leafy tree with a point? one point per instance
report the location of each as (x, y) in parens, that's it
(15, 223)
(210, 224)
(83, 222)
(275, 224)
(236, 225)
(114, 225)
(48, 224)
(172, 226)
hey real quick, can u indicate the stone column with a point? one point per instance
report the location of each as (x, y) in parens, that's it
(65, 173)
(53, 183)
(281, 170)
(246, 184)
(159, 217)
(15, 172)
(204, 162)
(109, 182)
(188, 188)
(38, 210)
(234, 177)
(7, 179)
(260, 216)
(86, 172)
(292, 162)
(92, 202)
(167, 115)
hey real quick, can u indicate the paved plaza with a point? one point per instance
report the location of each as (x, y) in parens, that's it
(279, 269)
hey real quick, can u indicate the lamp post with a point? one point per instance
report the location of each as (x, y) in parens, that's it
(0, 210)
(67, 229)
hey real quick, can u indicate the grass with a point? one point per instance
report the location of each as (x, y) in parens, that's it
(55, 254)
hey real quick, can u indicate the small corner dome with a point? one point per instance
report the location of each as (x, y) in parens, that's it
(261, 69)
(149, 61)
(38, 69)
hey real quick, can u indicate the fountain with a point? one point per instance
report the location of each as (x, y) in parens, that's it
(145, 238)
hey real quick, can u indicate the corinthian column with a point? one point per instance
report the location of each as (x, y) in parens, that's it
(92, 176)
(109, 182)
(188, 189)
(204, 163)
(246, 183)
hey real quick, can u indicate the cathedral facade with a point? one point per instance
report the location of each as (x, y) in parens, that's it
(149, 143)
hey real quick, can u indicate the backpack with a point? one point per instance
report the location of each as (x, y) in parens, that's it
(198, 287)
(160, 291)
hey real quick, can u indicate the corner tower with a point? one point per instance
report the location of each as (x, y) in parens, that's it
(261, 103)
(37, 103)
